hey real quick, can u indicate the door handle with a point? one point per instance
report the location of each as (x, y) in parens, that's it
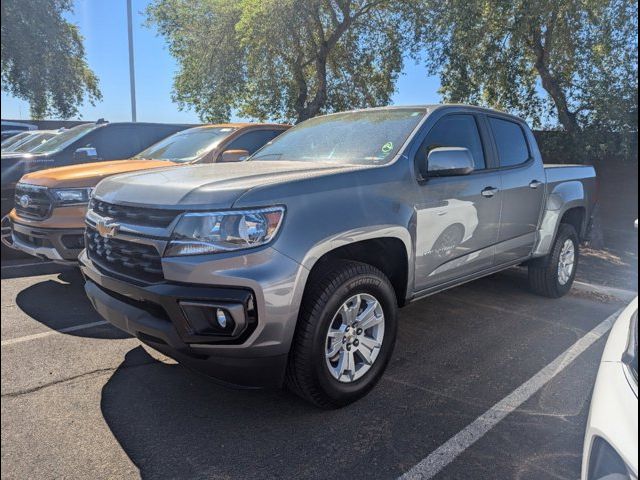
(535, 183)
(489, 192)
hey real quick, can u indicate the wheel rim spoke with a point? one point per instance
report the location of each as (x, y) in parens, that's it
(566, 262)
(368, 317)
(335, 349)
(369, 343)
(365, 355)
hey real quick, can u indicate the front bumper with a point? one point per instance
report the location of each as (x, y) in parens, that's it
(256, 358)
(57, 244)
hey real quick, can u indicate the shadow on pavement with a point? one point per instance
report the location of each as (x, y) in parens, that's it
(62, 303)
(173, 423)
(28, 268)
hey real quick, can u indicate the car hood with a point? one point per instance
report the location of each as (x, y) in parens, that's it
(89, 174)
(201, 187)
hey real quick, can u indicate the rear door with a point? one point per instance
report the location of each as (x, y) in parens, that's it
(523, 188)
(457, 217)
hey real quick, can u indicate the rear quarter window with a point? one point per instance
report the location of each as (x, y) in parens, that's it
(511, 142)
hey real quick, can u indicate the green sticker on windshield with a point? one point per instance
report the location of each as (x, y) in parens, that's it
(387, 147)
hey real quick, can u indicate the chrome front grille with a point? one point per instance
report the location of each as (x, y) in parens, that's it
(33, 201)
(147, 217)
(136, 260)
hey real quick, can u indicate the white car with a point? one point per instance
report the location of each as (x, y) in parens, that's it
(611, 442)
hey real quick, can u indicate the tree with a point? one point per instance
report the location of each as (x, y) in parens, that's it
(582, 53)
(43, 58)
(284, 59)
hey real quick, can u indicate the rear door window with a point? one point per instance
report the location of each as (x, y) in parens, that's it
(510, 141)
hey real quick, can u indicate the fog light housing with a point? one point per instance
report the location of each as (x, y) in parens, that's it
(213, 319)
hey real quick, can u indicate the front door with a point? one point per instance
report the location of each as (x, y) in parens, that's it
(457, 217)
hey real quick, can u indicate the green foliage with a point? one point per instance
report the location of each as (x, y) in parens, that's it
(590, 146)
(43, 58)
(583, 53)
(284, 59)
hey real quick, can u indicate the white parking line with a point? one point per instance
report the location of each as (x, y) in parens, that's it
(19, 265)
(452, 448)
(620, 293)
(75, 328)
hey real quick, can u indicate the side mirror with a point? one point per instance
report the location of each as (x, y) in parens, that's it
(448, 161)
(85, 154)
(234, 156)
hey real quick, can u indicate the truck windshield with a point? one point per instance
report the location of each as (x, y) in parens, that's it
(371, 137)
(65, 138)
(34, 141)
(14, 140)
(187, 145)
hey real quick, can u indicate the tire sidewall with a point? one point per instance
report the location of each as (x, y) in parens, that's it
(343, 393)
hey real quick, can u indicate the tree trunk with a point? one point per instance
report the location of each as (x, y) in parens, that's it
(550, 83)
(566, 117)
(315, 106)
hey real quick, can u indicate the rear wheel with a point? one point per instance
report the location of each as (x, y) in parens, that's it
(345, 335)
(553, 275)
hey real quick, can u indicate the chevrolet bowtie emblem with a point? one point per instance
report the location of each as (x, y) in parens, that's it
(107, 228)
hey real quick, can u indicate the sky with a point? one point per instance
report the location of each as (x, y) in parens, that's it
(104, 27)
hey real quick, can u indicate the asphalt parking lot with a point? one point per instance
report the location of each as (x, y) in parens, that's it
(462, 397)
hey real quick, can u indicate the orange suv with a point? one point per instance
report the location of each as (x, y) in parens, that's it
(50, 205)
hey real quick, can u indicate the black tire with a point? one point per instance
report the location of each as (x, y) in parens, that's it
(543, 272)
(307, 373)
(8, 253)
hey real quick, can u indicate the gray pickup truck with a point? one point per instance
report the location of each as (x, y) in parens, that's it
(289, 268)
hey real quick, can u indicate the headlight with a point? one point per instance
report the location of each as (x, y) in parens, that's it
(212, 232)
(71, 196)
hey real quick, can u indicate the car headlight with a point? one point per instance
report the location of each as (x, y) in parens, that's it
(214, 232)
(71, 196)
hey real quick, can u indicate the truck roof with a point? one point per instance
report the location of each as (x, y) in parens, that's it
(243, 125)
(437, 106)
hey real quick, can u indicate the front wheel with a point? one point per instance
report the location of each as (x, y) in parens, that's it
(345, 335)
(553, 275)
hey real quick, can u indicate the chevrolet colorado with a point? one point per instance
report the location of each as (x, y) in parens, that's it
(50, 205)
(289, 268)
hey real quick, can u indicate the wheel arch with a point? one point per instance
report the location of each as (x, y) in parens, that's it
(566, 203)
(387, 248)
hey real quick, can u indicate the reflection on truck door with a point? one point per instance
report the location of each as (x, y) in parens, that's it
(456, 226)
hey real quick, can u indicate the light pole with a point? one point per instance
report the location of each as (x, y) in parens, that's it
(132, 75)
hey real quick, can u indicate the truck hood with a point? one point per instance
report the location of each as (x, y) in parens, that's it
(15, 164)
(89, 174)
(201, 187)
